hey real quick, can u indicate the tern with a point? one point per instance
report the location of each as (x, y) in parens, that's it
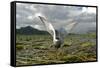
(59, 34)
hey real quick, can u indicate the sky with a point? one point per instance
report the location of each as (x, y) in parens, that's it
(59, 16)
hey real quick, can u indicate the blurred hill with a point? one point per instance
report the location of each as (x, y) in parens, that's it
(28, 30)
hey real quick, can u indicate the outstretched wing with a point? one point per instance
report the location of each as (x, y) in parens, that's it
(48, 26)
(70, 26)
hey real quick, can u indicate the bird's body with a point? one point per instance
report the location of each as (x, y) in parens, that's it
(57, 44)
(57, 35)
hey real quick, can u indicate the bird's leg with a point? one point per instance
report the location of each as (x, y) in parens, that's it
(61, 51)
(51, 46)
(57, 54)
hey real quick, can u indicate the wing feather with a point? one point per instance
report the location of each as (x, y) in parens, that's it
(49, 27)
(70, 26)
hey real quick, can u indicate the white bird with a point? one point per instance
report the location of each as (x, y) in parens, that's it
(58, 35)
